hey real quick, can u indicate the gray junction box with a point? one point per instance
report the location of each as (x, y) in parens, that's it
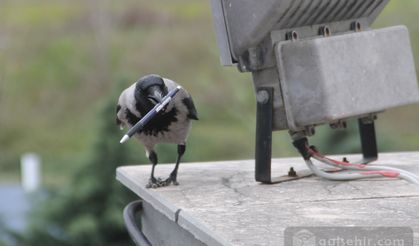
(325, 80)
(316, 62)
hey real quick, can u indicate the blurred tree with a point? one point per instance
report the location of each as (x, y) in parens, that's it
(3, 232)
(89, 212)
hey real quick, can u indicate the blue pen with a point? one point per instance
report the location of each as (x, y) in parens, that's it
(150, 115)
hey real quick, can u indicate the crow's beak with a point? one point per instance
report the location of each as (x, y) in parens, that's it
(155, 97)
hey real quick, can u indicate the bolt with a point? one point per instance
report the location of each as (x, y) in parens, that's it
(262, 96)
(292, 172)
(344, 125)
(369, 119)
(325, 31)
(293, 35)
(338, 124)
(356, 26)
(333, 125)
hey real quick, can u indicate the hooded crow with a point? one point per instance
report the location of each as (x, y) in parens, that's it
(170, 125)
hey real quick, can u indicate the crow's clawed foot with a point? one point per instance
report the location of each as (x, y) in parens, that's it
(156, 183)
(171, 179)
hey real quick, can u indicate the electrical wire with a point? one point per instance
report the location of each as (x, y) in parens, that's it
(338, 176)
(346, 171)
(367, 170)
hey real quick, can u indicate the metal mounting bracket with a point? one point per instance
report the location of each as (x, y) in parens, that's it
(263, 155)
(264, 114)
(368, 140)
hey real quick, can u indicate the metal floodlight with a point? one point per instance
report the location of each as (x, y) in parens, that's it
(316, 62)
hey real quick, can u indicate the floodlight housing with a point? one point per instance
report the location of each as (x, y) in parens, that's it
(243, 24)
(316, 62)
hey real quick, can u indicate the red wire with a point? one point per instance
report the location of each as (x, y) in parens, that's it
(385, 173)
(341, 163)
(390, 174)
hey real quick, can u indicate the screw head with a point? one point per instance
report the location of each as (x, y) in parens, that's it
(292, 35)
(292, 172)
(262, 96)
(325, 31)
(356, 26)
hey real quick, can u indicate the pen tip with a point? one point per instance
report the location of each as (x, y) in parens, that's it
(124, 139)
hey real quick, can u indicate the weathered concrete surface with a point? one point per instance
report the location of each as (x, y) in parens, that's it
(220, 203)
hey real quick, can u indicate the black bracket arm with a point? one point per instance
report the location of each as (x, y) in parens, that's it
(368, 140)
(263, 151)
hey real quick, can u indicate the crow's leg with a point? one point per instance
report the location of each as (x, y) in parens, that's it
(153, 182)
(173, 175)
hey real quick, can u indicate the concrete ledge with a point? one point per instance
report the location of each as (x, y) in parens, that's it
(219, 203)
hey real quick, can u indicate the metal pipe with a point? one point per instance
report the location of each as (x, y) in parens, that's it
(129, 218)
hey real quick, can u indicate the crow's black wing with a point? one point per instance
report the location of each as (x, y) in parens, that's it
(192, 114)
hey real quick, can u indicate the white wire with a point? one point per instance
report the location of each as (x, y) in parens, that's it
(368, 167)
(408, 176)
(338, 176)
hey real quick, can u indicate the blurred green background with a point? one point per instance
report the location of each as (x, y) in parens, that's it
(63, 64)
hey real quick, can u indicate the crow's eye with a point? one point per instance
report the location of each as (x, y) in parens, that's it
(152, 99)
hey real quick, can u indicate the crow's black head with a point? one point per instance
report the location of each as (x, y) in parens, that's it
(150, 90)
